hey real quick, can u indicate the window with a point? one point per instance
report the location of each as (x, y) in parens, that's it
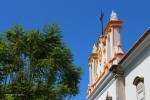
(140, 90)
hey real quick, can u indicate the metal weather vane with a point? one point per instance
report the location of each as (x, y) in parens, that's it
(101, 19)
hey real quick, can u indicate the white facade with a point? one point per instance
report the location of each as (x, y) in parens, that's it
(142, 69)
(138, 64)
(115, 76)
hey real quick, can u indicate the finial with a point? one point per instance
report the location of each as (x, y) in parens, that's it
(94, 49)
(113, 16)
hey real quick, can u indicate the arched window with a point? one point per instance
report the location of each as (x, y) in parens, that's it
(140, 90)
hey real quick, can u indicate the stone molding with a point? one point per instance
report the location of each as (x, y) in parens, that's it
(138, 79)
(116, 69)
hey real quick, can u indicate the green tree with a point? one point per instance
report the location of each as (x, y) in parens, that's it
(37, 65)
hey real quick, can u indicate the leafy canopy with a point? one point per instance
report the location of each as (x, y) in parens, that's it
(37, 65)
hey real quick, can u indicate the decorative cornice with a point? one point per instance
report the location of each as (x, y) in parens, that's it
(116, 69)
(93, 55)
(101, 39)
(138, 79)
(113, 24)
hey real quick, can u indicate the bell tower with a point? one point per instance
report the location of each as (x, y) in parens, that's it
(107, 52)
(113, 33)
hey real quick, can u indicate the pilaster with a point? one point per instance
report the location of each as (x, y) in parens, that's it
(120, 81)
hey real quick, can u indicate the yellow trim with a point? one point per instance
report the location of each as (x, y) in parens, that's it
(97, 56)
(116, 24)
(92, 56)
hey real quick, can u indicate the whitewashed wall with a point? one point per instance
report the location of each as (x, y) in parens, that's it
(142, 69)
(99, 68)
(117, 37)
(111, 90)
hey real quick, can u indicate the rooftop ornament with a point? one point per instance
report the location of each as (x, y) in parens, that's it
(113, 16)
(94, 49)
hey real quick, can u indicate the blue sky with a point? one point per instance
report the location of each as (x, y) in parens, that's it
(79, 22)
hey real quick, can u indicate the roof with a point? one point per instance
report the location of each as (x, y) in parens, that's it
(135, 46)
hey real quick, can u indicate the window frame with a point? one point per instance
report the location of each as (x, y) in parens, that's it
(140, 88)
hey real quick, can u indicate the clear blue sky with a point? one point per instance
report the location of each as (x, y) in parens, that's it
(79, 21)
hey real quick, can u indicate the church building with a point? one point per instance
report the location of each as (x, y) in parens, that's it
(115, 75)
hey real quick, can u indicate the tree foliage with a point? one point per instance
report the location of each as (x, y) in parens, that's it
(37, 65)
